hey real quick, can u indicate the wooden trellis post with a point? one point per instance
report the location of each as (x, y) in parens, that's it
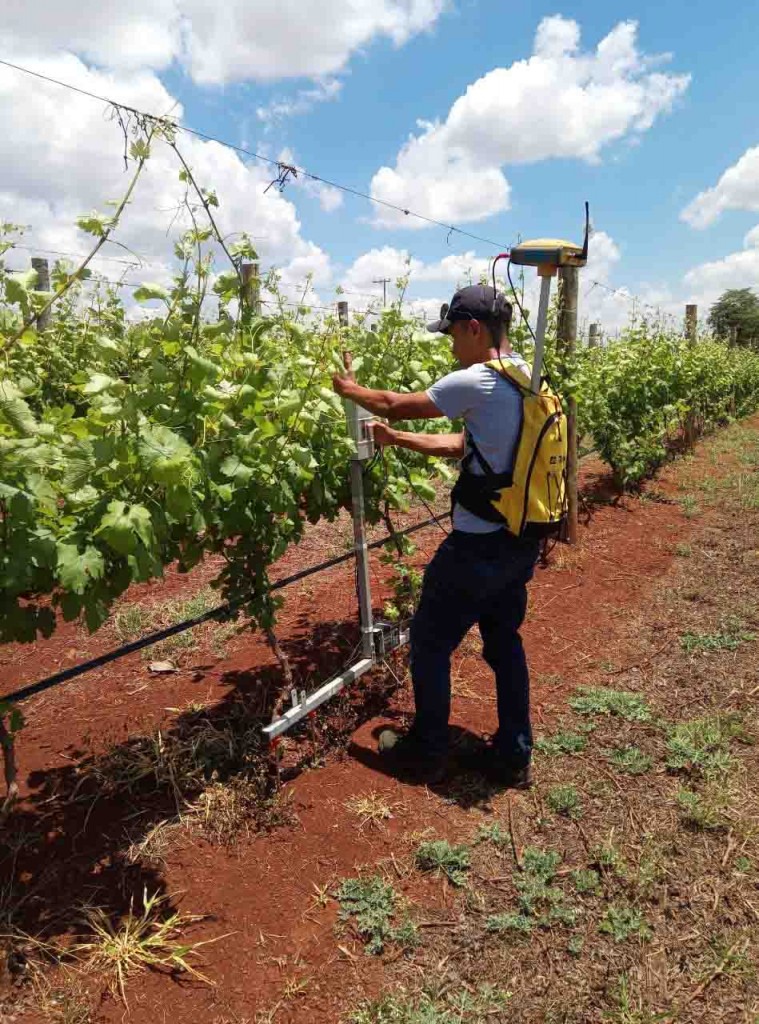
(691, 333)
(691, 323)
(251, 284)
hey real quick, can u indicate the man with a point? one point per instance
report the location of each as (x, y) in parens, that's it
(480, 572)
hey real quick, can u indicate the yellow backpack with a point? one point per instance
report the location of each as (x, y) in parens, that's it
(530, 498)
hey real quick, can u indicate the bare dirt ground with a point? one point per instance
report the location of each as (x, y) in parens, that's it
(621, 888)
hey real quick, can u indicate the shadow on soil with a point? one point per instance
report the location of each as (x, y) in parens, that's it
(464, 785)
(70, 843)
(67, 844)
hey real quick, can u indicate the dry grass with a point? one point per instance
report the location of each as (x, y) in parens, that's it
(371, 809)
(217, 772)
(61, 997)
(145, 940)
(154, 846)
(133, 621)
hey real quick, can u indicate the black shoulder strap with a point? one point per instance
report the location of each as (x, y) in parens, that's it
(486, 468)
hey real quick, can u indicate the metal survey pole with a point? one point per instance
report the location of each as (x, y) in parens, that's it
(566, 331)
(362, 557)
(359, 428)
(540, 332)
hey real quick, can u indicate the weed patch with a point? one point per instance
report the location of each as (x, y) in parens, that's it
(703, 812)
(452, 861)
(149, 940)
(603, 701)
(479, 1006)
(371, 904)
(731, 640)
(371, 809)
(690, 506)
(586, 881)
(630, 761)
(565, 800)
(538, 898)
(610, 858)
(134, 621)
(194, 762)
(502, 923)
(701, 745)
(493, 833)
(623, 923)
(562, 743)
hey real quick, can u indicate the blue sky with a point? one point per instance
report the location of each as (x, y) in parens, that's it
(636, 192)
(638, 172)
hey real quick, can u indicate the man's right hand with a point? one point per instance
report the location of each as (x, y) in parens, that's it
(383, 434)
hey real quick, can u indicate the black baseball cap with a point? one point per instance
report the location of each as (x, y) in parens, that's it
(477, 302)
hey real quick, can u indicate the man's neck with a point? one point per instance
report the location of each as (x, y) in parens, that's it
(505, 350)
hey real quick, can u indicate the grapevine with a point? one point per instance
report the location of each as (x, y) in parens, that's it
(126, 447)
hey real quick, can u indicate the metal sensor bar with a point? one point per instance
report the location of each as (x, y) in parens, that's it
(313, 700)
(303, 707)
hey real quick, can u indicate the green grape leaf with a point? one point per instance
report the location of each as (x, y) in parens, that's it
(206, 367)
(15, 411)
(146, 292)
(167, 456)
(235, 469)
(100, 382)
(76, 570)
(124, 527)
(139, 150)
(95, 224)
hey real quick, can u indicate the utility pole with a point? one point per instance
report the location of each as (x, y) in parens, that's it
(566, 335)
(384, 281)
(593, 335)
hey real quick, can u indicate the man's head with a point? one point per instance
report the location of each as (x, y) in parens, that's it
(478, 320)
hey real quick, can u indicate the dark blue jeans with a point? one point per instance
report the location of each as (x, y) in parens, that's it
(472, 578)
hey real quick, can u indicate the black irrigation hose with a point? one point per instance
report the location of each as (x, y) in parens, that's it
(223, 611)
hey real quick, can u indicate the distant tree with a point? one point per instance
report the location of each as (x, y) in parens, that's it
(739, 308)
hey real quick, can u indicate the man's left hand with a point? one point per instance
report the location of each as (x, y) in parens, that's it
(342, 383)
(383, 434)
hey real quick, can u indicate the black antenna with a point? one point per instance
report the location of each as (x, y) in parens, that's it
(587, 231)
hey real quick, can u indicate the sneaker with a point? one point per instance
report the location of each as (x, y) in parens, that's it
(477, 755)
(504, 773)
(404, 757)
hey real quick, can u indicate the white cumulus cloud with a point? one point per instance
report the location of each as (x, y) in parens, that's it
(73, 163)
(303, 101)
(737, 189)
(450, 272)
(707, 281)
(216, 43)
(561, 102)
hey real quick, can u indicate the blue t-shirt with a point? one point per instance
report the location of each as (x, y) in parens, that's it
(491, 409)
